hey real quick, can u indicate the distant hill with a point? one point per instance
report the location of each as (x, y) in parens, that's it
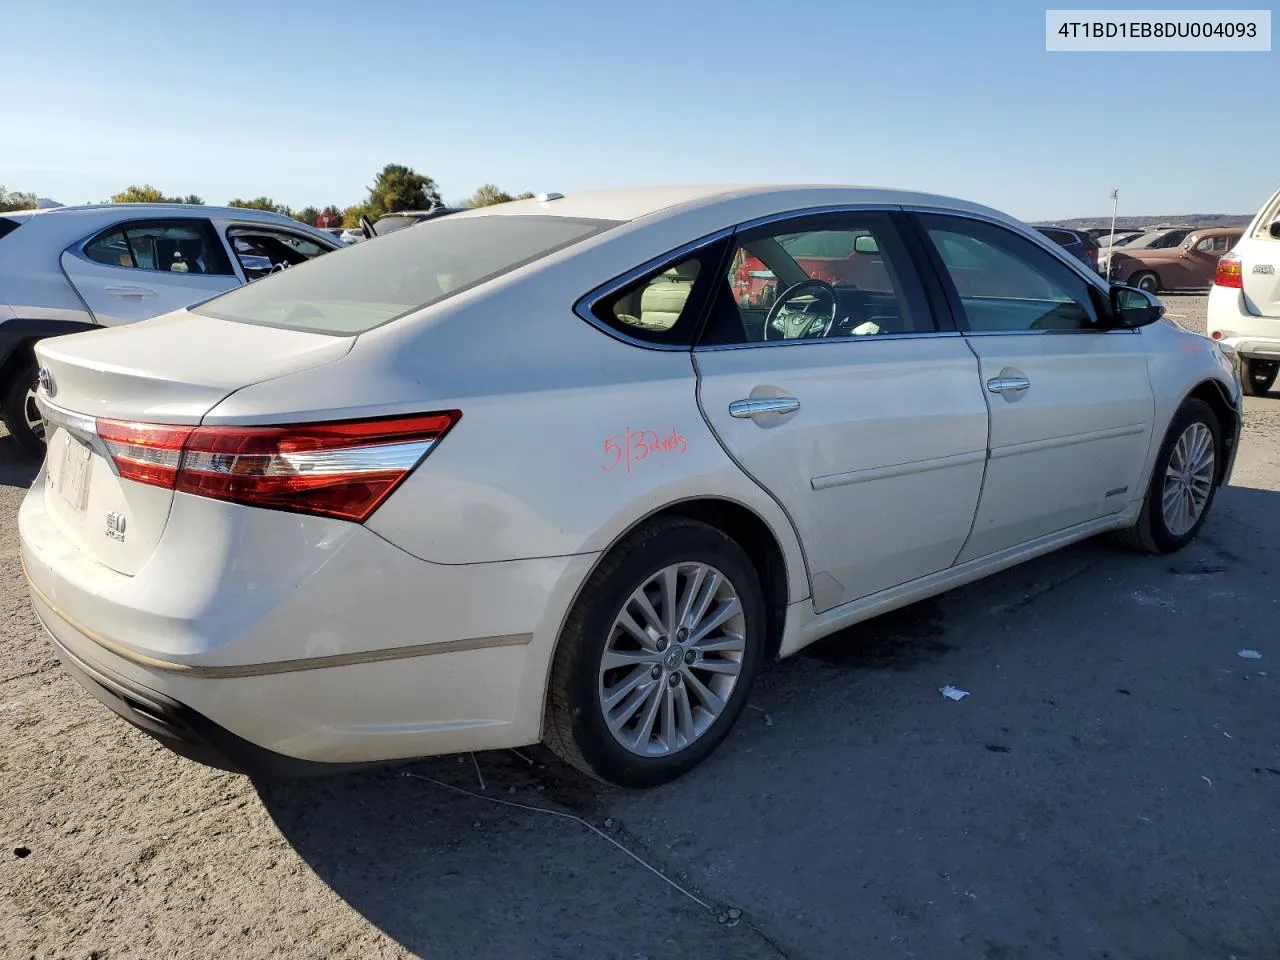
(1134, 223)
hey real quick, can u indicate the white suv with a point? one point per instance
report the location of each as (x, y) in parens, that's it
(1244, 302)
(69, 269)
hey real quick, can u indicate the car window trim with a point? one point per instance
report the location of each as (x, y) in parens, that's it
(939, 311)
(586, 305)
(227, 243)
(77, 249)
(953, 297)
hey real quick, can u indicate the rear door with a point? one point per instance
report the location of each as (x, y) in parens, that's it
(1071, 403)
(848, 404)
(143, 268)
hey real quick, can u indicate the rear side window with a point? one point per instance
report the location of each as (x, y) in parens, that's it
(169, 247)
(7, 226)
(361, 287)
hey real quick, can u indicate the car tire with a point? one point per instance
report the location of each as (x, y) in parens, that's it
(1162, 526)
(1145, 280)
(664, 690)
(1259, 376)
(17, 408)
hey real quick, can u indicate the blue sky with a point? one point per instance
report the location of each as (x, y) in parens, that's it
(305, 101)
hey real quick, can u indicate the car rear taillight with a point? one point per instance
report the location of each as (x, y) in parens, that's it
(344, 470)
(1229, 274)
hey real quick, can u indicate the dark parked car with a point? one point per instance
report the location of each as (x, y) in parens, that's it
(1076, 242)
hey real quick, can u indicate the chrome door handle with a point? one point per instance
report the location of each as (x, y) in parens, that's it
(129, 291)
(742, 409)
(1008, 384)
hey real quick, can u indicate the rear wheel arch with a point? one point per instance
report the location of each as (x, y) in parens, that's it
(745, 527)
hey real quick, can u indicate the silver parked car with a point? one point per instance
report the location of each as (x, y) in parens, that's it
(69, 269)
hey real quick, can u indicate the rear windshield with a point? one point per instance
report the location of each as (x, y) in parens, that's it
(364, 286)
(386, 225)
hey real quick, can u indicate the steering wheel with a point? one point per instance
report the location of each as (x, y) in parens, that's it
(783, 324)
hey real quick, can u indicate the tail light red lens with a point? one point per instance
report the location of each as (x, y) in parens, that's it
(1228, 274)
(344, 470)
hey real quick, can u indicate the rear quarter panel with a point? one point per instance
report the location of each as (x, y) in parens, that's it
(568, 436)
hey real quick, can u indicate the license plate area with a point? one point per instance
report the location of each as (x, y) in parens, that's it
(72, 481)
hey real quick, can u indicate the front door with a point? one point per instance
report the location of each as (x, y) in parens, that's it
(846, 402)
(144, 268)
(1071, 403)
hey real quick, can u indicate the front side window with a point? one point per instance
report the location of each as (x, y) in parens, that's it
(1007, 283)
(169, 247)
(358, 288)
(262, 251)
(828, 277)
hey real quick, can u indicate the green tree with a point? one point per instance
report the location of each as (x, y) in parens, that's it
(149, 194)
(401, 188)
(332, 211)
(307, 215)
(527, 195)
(16, 200)
(488, 195)
(351, 216)
(141, 194)
(261, 203)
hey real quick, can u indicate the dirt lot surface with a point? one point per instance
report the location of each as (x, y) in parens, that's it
(1109, 789)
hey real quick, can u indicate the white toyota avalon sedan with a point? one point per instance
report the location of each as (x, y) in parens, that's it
(574, 469)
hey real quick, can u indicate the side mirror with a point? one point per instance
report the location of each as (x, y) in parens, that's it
(1131, 307)
(1275, 228)
(865, 243)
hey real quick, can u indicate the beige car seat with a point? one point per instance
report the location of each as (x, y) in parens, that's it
(662, 299)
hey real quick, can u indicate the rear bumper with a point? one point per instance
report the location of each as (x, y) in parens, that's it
(336, 648)
(180, 728)
(1250, 335)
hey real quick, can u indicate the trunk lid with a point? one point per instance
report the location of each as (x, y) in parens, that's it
(173, 370)
(1260, 274)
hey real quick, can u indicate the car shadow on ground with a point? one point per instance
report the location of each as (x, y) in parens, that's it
(849, 788)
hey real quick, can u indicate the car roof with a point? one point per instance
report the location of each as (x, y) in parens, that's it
(656, 202)
(158, 210)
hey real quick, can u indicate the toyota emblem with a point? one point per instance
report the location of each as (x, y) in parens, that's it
(45, 380)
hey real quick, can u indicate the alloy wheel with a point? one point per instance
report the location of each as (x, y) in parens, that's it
(672, 659)
(1188, 479)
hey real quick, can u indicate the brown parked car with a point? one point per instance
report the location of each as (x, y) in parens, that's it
(1190, 264)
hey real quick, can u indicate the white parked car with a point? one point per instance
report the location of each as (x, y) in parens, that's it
(542, 471)
(1244, 301)
(67, 269)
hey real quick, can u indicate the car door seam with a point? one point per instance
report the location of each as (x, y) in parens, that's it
(697, 398)
(74, 289)
(986, 462)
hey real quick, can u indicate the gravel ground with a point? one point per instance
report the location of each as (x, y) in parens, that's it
(1108, 789)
